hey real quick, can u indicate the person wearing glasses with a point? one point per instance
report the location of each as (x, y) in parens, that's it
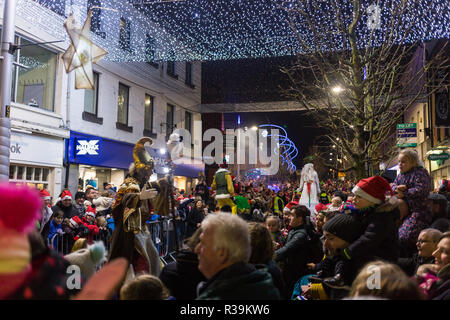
(426, 245)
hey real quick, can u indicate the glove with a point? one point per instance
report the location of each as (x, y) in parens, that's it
(148, 194)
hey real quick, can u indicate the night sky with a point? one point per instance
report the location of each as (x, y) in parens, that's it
(300, 128)
(257, 80)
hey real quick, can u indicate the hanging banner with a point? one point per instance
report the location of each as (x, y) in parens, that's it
(442, 118)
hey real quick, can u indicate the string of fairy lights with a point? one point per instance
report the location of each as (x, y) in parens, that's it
(189, 30)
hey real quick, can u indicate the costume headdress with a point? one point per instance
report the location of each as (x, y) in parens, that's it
(141, 158)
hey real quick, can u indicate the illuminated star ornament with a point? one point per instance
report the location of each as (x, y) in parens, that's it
(81, 53)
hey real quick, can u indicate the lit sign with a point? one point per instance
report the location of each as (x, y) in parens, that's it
(87, 147)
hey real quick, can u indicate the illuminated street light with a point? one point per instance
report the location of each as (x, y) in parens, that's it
(162, 151)
(337, 90)
(254, 128)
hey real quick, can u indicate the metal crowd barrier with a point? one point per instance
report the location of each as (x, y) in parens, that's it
(162, 232)
(61, 243)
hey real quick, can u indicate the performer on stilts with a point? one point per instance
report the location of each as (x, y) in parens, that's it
(136, 199)
(223, 185)
(309, 182)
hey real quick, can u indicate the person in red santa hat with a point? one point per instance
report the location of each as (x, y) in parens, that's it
(377, 214)
(65, 204)
(46, 213)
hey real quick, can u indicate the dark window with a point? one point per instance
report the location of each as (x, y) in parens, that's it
(169, 119)
(125, 34)
(189, 74)
(57, 6)
(122, 104)
(150, 50)
(188, 121)
(91, 97)
(96, 20)
(148, 115)
(171, 68)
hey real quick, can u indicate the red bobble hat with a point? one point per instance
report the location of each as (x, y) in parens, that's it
(66, 195)
(373, 189)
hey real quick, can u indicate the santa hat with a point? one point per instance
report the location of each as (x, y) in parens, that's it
(15, 250)
(289, 206)
(90, 212)
(66, 195)
(44, 194)
(373, 189)
(75, 221)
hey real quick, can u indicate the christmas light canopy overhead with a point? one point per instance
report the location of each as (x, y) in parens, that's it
(187, 30)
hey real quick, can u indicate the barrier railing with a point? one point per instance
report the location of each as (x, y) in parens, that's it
(162, 233)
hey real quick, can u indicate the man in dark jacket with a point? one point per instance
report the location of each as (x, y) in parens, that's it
(65, 204)
(294, 253)
(223, 254)
(79, 203)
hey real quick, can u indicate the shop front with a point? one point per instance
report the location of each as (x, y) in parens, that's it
(36, 160)
(95, 160)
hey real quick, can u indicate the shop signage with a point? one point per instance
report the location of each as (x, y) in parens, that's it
(27, 148)
(439, 156)
(407, 135)
(91, 147)
(406, 130)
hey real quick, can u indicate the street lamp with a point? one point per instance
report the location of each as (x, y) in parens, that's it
(337, 89)
(254, 128)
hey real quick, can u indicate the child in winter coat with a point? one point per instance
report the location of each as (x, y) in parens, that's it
(273, 224)
(55, 228)
(378, 239)
(89, 222)
(336, 202)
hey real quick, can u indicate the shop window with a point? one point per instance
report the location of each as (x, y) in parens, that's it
(34, 177)
(34, 73)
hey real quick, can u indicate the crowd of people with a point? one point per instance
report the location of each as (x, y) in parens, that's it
(244, 239)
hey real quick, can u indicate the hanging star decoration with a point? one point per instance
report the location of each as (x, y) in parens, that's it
(82, 52)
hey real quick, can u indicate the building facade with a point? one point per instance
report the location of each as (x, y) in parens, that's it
(67, 137)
